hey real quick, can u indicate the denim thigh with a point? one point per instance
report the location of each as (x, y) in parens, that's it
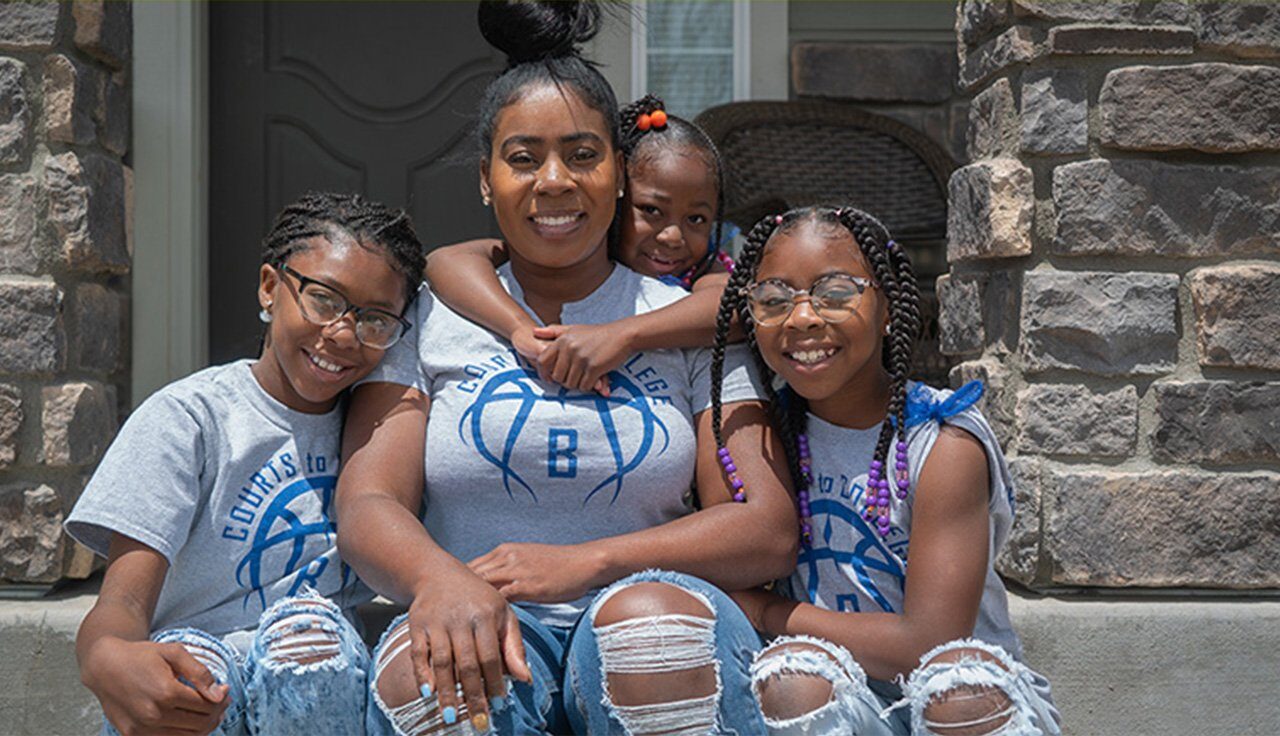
(307, 666)
(735, 644)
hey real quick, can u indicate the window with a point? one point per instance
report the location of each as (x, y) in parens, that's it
(694, 54)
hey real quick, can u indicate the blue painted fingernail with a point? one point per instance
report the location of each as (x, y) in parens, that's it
(497, 702)
(425, 689)
(450, 715)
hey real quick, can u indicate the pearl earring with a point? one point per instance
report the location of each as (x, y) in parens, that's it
(888, 329)
(264, 315)
(485, 199)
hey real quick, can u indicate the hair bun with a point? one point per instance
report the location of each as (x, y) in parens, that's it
(532, 30)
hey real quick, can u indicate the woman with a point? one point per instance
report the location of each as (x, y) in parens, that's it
(542, 496)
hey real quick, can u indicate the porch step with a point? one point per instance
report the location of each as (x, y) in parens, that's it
(1119, 667)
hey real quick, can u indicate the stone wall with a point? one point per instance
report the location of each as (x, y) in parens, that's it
(1115, 278)
(64, 268)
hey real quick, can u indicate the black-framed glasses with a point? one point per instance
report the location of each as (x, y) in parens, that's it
(323, 305)
(834, 298)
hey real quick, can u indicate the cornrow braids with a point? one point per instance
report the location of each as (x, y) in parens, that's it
(327, 213)
(640, 145)
(893, 273)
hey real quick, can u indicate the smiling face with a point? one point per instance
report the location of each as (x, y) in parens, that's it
(825, 363)
(553, 177)
(671, 202)
(303, 365)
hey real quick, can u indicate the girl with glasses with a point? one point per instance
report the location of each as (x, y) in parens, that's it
(225, 607)
(882, 466)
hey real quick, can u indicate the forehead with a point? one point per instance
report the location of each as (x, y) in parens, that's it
(361, 270)
(680, 165)
(809, 250)
(550, 112)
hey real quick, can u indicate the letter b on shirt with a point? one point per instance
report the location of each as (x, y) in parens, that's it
(562, 448)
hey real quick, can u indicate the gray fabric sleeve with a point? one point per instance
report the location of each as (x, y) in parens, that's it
(149, 484)
(402, 363)
(741, 379)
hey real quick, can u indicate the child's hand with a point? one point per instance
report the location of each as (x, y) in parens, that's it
(580, 356)
(138, 686)
(531, 347)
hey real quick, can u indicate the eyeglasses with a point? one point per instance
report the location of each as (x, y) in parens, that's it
(834, 298)
(323, 305)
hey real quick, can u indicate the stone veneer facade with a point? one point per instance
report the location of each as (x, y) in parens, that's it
(64, 268)
(1114, 249)
(1115, 279)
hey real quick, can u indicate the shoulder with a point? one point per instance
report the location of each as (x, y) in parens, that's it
(201, 395)
(650, 293)
(931, 409)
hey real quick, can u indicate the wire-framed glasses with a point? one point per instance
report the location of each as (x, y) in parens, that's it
(834, 298)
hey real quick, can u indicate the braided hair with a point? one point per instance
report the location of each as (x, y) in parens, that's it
(327, 213)
(894, 275)
(641, 145)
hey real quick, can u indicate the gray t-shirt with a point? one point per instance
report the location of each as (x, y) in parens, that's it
(234, 489)
(849, 566)
(510, 458)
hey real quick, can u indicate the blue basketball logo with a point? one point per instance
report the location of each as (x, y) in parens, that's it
(499, 424)
(279, 542)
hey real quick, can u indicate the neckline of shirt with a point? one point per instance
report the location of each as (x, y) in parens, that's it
(568, 309)
(272, 408)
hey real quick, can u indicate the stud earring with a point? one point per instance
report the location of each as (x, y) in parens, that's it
(264, 316)
(621, 193)
(485, 198)
(888, 329)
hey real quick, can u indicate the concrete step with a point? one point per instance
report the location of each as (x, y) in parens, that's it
(1135, 667)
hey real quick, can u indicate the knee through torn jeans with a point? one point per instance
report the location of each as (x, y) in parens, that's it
(862, 707)
(304, 673)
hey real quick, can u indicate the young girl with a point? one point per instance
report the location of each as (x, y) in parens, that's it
(213, 505)
(881, 466)
(669, 229)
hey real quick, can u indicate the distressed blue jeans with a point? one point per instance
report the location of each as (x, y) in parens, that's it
(862, 707)
(571, 668)
(306, 666)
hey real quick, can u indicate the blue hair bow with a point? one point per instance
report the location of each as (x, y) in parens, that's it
(922, 407)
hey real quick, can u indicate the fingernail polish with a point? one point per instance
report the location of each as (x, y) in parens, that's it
(449, 714)
(425, 689)
(481, 722)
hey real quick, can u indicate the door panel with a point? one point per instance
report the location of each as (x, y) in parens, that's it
(377, 98)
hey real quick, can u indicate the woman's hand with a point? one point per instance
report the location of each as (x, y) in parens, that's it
(462, 631)
(540, 573)
(138, 686)
(581, 356)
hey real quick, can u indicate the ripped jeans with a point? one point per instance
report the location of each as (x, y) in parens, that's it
(572, 669)
(964, 686)
(306, 666)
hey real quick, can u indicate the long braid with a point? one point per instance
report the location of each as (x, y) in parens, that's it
(733, 303)
(893, 272)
